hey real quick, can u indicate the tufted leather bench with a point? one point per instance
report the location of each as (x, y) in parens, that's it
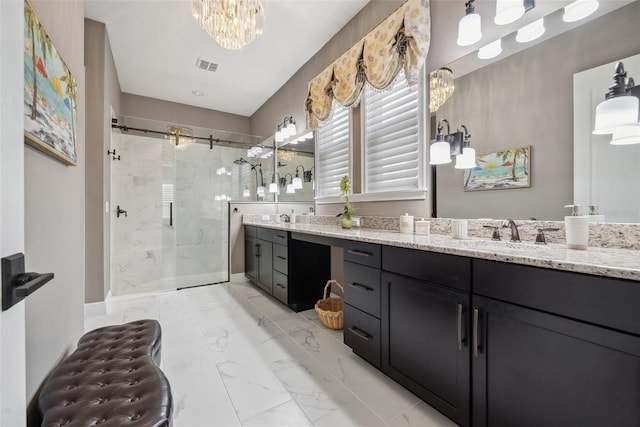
(111, 379)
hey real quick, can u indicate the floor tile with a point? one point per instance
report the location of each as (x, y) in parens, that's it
(421, 415)
(288, 414)
(353, 414)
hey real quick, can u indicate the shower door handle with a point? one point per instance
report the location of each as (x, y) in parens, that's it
(171, 214)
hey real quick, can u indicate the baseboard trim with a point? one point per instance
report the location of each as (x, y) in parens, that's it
(238, 277)
(95, 309)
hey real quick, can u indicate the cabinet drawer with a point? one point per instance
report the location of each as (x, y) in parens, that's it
(280, 286)
(362, 253)
(265, 233)
(595, 299)
(362, 287)
(280, 237)
(280, 258)
(250, 230)
(442, 269)
(362, 334)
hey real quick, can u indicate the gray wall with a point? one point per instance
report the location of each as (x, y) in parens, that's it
(54, 217)
(165, 111)
(527, 99)
(103, 94)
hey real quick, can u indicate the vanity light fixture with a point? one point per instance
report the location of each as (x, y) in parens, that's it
(491, 50)
(466, 160)
(618, 114)
(279, 135)
(440, 150)
(579, 9)
(450, 144)
(508, 11)
(273, 187)
(469, 27)
(297, 181)
(291, 128)
(530, 32)
(289, 185)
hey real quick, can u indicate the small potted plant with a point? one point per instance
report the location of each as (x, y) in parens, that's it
(347, 212)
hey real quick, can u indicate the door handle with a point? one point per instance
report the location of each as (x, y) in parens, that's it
(120, 211)
(476, 314)
(358, 285)
(359, 332)
(258, 250)
(358, 253)
(460, 339)
(171, 214)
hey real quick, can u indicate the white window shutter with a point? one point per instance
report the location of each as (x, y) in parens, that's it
(392, 135)
(333, 152)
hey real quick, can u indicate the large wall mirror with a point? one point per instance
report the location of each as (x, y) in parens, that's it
(295, 169)
(525, 98)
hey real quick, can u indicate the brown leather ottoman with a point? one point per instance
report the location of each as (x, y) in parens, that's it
(111, 379)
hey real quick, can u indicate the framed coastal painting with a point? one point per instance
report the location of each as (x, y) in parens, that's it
(50, 122)
(500, 170)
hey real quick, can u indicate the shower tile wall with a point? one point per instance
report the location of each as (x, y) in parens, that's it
(148, 254)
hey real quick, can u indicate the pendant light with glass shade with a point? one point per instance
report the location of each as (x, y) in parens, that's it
(530, 32)
(579, 9)
(491, 50)
(470, 26)
(273, 187)
(620, 109)
(440, 150)
(508, 11)
(297, 181)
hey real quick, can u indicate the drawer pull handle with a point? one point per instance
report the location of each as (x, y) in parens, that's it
(475, 332)
(358, 285)
(280, 257)
(281, 237)
(359, 332)
(280, 286)
(358, 253)
(460, 339)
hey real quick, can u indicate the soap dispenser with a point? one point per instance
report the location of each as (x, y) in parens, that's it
(594, 215)
(576, 228)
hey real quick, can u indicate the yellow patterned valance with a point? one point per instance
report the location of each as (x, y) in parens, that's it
(401, 40)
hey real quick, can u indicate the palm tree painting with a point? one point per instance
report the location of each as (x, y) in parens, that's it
(50, 93)
(500, 170)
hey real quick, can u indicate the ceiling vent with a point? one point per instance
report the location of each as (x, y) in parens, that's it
(206, 65)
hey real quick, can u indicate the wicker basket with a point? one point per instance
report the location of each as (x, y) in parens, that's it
(330, 310)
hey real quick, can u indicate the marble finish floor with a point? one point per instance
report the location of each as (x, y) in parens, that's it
(236, 357)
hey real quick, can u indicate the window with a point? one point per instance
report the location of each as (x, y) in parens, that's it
(393, 128)
(333, 152)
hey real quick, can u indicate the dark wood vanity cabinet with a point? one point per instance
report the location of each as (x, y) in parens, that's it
(425, 327)
(554, 363)
(362, 296)
(294, 272)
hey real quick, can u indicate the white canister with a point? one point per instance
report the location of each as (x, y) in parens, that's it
(423, 227)
(459, 228)
(406, 224)
(577, 231)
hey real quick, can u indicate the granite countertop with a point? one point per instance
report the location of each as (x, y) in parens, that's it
(618, 263)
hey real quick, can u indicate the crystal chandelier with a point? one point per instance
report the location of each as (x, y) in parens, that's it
(180, 136)
(232, 23)
(440, 87)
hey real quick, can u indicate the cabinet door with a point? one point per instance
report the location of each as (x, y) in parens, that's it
(425, 344)
(251, 258)
(536, 369)
(265, 265)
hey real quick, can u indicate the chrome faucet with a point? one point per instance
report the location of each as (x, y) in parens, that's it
(285, 218)
(515, 236)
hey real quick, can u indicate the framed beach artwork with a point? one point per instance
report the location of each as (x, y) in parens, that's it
(500, 170)
(49, 94)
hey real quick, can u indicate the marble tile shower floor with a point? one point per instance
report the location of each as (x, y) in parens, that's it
(236, 357)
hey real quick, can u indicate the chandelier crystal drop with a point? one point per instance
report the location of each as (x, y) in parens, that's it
(232, 23)
(441, 87)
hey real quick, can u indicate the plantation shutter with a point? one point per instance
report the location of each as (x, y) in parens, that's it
(392, 134)
(333, 152)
